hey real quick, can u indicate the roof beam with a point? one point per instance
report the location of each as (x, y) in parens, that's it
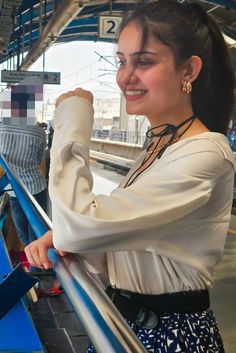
(64, 14)
(231, 4)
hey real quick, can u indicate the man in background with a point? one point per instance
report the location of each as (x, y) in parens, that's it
(23, 145)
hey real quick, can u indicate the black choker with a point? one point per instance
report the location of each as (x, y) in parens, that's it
(169, 129)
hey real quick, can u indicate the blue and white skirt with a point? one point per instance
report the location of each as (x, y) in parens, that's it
(182, 333)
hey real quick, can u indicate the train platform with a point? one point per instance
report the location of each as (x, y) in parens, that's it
(60, 329)
(120, 164)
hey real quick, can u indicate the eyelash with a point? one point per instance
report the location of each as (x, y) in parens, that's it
(141, 63)
(145, 63)
(120, 63)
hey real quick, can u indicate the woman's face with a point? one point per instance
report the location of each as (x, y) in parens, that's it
(147, 77)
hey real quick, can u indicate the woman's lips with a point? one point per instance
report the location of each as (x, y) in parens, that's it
(131, 95)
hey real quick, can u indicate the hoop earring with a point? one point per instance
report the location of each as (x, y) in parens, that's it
(187, 87)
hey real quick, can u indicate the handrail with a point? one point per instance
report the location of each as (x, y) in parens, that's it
(103, 323)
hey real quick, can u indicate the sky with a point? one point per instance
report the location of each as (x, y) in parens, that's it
(88, 65)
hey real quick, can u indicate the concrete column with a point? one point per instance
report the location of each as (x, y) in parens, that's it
(123, 114)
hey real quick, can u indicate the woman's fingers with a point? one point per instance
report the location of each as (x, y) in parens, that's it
(78, 92)
(37, 251)
(32, 255)
(62, 253)
(43, 256)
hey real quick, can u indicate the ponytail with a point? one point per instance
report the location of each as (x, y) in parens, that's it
(213, 91)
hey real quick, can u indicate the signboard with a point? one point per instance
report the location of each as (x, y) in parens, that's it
(109, 26)
(49, 78)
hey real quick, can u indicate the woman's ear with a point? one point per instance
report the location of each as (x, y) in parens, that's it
(192, 68)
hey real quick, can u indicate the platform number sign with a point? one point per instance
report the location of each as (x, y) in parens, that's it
(109, 26)
(49, 78)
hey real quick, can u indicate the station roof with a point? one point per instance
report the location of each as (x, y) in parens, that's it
(29, 27)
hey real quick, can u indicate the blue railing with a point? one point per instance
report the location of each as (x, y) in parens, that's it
(103, 323)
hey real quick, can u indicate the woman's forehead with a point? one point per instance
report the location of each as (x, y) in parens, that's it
(132, 35)
(130, 43)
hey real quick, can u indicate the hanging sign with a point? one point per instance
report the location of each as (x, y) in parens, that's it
(109, 26)
(49, 78)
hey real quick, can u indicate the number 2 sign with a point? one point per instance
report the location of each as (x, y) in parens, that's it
(108, 26)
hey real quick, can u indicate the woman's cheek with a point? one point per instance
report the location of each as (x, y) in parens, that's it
(118, 78)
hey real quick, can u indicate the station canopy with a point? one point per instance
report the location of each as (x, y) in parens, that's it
(29, 27)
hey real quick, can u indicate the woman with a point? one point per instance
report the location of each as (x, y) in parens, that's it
(163, 229)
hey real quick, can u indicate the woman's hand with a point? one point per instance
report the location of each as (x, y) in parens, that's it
(78, 92)
(37, 251)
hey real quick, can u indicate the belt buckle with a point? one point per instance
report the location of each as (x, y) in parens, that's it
(146, 319)
(125, 294)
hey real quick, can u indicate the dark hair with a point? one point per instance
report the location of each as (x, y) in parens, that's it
(188, 30)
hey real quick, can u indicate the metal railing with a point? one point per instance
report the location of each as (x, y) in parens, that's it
(103, 323)
(127, 136)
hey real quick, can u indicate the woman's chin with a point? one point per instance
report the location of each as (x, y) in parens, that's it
(133, 111)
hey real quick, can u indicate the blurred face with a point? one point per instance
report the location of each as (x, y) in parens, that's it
(147, 76)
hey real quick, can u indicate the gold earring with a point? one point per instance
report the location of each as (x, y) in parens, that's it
(187, 87)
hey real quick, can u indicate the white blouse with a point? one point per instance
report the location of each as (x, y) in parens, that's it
(163, 233)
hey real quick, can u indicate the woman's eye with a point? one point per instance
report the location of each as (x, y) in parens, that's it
(120, 63)
(145, 63)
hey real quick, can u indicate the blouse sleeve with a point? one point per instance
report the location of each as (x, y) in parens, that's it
(84, 222)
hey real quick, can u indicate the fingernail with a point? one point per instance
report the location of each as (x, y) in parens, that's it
(45, 265)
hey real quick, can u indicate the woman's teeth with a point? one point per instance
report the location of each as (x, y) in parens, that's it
(135, 92)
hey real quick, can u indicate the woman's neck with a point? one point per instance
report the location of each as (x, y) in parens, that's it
(197, 128)
(190, 128)
(175, 118)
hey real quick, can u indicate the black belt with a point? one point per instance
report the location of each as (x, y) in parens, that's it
(144, 309)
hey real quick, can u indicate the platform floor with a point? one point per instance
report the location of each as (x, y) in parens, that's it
(61, 331)
(223, 295)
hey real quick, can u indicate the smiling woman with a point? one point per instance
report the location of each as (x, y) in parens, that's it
(156, 239)
(148, 78)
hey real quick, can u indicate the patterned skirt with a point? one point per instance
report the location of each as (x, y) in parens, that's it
(182, 333)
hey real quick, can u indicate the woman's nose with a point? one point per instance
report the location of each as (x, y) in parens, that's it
(129, 75)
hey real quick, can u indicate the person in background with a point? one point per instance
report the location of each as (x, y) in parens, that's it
(48, 149)
(22, 143)
(24, 148)
(43, 125)
(160, 234)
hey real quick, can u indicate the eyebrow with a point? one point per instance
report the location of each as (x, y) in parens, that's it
(139, 53)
